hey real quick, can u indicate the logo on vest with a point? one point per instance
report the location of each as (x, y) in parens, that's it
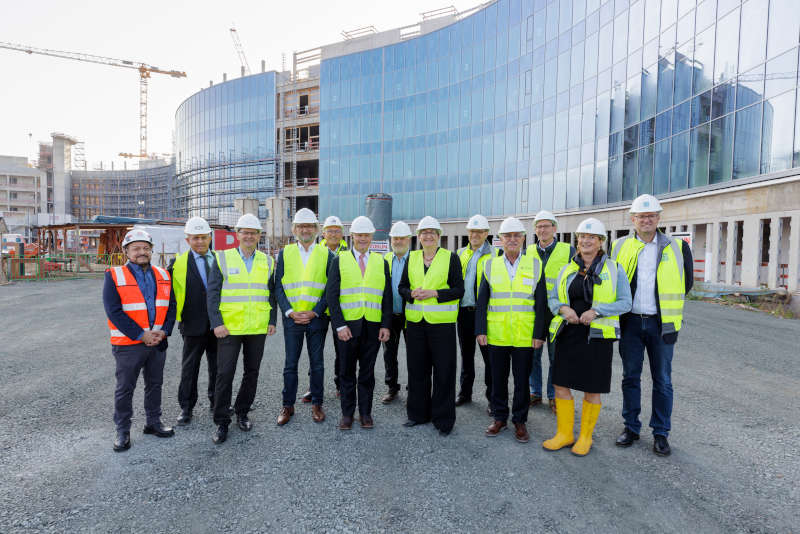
(233, 270)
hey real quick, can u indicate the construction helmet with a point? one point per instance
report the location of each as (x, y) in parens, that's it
(511, 224)
(250, 221)
(477, 222)
(400, 229)
(362, 225)
(136, 235)
(592, 226)
(645, 204)
(305, 216)
(196, 226)
(333, 220)
(545, 215)
(429, 223)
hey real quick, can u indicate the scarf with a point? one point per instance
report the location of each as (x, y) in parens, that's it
(591, 274)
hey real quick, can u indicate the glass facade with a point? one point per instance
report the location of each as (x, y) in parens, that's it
(225, 146)
(562, 105)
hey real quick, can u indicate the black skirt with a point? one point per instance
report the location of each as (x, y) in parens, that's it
(581, 364)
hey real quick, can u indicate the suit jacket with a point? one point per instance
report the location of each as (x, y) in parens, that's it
(333, 289)
(194, 317)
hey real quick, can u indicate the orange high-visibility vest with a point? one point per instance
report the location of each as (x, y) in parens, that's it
(134, 305)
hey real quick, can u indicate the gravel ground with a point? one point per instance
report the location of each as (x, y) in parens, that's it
(735, 465)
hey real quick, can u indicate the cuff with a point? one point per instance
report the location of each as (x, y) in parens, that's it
(289, 311)
(341, 328)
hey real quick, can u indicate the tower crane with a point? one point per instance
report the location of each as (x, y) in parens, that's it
(144, 69)
(237, 44)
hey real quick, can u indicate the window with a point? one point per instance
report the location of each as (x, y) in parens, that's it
(777, 130)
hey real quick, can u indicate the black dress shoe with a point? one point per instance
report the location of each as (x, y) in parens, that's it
(184, 418)
(220, 435)
(661, 445)
(410, 423)
(159, 430)
(443, 432)
(627, 438)
(244, 424)
(462, 400)
(123, 441)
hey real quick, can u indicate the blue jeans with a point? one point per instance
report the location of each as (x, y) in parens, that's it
(640, 333)
(293, 335)
(535, 380)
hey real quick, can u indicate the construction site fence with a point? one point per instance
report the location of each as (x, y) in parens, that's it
(60, 267)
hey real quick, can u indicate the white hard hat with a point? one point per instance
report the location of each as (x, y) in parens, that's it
(362, 225)
(645, 204)
(305, 216)
(333, 220)
(400, 229)
(136, 235)
(248, 220)
(511, 224)
(429, 223)
(196, 226)
(545, 215)
(477, 222)
(592, 226)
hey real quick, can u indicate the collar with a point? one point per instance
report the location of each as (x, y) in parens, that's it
(548, 247)
(403, 257)
(139, 268)
(208, 254)
(512, 262)
(310, 248)
(246, 257)
(653, 242)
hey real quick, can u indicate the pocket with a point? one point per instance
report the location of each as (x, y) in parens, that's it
(232, 314)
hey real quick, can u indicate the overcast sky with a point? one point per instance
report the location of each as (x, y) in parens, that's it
(99, 105)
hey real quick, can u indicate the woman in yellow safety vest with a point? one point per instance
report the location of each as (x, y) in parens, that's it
(589, 295)
(431, 285)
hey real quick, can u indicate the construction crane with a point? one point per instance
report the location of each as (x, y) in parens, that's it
(237, 44)
(144, 69)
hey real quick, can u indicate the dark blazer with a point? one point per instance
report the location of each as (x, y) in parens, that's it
(194, 317)
(332, 290)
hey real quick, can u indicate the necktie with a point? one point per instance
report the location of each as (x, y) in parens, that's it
(206, 268)
(362, 264)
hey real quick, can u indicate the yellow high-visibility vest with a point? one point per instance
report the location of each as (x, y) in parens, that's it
(304, 285)
(244, 299)
(670, 277)
(604, 293)
(361, 296)
(510, 316)
(557, 260)
(430, 309)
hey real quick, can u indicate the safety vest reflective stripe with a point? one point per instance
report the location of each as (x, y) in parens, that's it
(360, 303)
(133, 302)
(433, 307)
(303, 298)
(357, 290)
(304, 283)
(244, 298)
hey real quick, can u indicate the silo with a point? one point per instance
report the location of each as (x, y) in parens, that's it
(379, 210)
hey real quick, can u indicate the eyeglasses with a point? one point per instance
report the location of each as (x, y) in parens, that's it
(544, 226)
(245, 233)
(429, 233)
(646, 216)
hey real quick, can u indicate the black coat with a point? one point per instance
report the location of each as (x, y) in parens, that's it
(194, 316)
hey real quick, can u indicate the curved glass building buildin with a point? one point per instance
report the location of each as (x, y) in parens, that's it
(225, 146)
(564, 105)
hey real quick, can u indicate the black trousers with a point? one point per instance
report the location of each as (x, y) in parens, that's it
(431, 347)
(132, 360)
(519, 360)
(390, 351)
(193, 349)
(466, 340)
(337, 359)
(361, 350)
(252, 348)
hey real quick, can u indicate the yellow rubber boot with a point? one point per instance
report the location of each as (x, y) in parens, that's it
(565, 420)
(588, 420)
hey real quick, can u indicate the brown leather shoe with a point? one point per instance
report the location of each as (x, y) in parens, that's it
(495, 428)
(389, 397)
(366, 421)
(345, 423)
(536, 399)
(317, 414)
(286, 414)
(521, 433)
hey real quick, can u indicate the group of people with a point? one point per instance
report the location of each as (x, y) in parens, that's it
(511, 302)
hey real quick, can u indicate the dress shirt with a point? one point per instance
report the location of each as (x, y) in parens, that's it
(512, 267)
(398, 264)
(208, 258)
(644, 300)
(305, 254)
(248, 260)
(469, 280)
(147, 282)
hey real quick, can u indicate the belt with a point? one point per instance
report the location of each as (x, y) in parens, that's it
(468, 308)
(645, 315)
